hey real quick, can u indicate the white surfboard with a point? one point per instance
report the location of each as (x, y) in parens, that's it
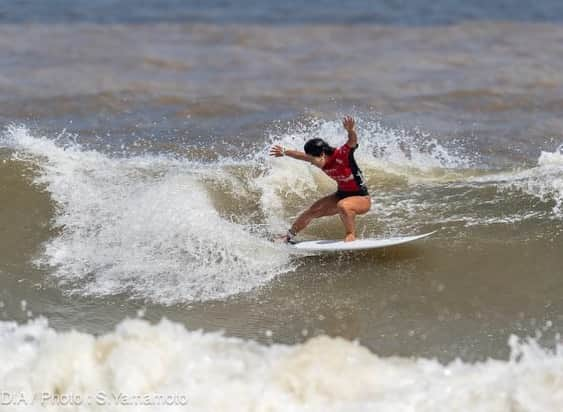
(359, 244)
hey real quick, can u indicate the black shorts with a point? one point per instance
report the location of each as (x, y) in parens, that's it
(342, 195)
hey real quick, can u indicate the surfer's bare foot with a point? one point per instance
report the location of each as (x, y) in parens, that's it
(287, 238)
(350, 237)
(280, 239)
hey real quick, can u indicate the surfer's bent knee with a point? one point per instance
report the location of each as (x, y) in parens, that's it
(354, 205)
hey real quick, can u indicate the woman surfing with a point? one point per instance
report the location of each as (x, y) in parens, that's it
(351, 197)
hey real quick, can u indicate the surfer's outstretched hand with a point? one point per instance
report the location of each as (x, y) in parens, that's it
(277, 151)
(348, 123)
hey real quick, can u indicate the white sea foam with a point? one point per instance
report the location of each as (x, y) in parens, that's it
(211, 372)
(144, 226)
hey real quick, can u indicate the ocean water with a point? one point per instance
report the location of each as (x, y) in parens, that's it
(137, 200)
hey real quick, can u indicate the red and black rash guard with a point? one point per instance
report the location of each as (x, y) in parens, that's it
(342, 167)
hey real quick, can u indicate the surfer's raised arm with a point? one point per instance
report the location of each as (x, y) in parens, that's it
(279, 151)
(349, 124)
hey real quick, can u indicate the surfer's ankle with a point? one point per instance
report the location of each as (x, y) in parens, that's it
(289, 237)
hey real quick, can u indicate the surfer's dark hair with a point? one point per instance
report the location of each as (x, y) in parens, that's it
(317, 147)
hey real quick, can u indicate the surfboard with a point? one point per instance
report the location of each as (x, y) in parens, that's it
(359, 244)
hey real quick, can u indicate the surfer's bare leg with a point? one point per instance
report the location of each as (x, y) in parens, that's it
(325, 206)
(348, 208)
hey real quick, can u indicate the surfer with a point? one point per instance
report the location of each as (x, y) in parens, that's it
(351, 198)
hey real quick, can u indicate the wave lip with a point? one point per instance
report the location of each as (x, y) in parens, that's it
(544, 181)
(143, 226)
(551, 165)
(217, 373)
